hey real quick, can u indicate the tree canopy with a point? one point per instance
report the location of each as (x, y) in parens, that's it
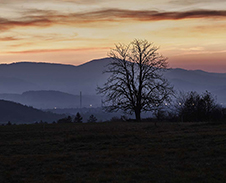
(136, 83)
(192, 106)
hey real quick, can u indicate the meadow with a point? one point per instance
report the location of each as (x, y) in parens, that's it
(113, 152)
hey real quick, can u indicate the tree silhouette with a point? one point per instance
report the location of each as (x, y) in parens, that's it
(65, 120)
(92, 119)
(196, 107)
(136, 82)
(78, 118)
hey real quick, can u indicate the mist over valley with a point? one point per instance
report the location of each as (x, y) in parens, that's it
(47, 85)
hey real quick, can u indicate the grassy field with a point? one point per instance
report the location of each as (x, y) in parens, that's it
(113, 152)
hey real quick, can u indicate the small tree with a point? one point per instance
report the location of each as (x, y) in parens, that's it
(92, 119)
(136, 82)
(78, 118)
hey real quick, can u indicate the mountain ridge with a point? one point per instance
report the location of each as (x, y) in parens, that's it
(85, 78)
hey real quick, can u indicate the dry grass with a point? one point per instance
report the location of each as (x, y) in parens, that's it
(113, 152)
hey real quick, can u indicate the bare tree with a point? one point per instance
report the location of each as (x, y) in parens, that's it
(136, 82)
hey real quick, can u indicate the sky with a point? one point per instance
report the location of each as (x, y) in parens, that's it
(190, 33)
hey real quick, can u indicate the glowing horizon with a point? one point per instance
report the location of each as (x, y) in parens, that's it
(191, 33)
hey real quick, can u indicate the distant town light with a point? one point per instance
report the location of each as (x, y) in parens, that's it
(91, 105)
(55, 107)
(166, 104)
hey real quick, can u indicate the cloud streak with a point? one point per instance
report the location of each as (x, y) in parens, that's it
(7, 24)
(56, 50)
(187, 2)
(143, 15)
(9, 38)
(45, 18)
(53, 1)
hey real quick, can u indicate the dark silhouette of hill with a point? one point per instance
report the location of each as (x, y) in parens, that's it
(17, 113)
(21, 77)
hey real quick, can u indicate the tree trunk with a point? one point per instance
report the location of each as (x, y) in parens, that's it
(137, 114)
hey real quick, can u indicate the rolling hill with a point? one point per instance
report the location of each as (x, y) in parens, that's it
(17, 113)
(18, 78)
(46, 76)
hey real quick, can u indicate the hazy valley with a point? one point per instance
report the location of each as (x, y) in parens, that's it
(57, 87)
(45, 85)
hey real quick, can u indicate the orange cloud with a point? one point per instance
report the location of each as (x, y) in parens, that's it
(56, 50)
(9, 38)
(144, 15)
(9, 24)
(43, 18)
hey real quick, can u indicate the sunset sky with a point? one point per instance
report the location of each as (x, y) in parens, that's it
(191, 33)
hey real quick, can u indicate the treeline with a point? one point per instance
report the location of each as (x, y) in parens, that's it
(69, 119)
(193, 107)
(187, 107)
(77, 119)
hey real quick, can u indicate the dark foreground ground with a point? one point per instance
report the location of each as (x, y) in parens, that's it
(113, 152)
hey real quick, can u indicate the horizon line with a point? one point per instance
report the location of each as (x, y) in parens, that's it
(69, 64)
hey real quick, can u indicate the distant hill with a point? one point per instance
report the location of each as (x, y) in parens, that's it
(27, 76)
(47, 99)
(17, 78)
(200, 81)
(17, 113)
